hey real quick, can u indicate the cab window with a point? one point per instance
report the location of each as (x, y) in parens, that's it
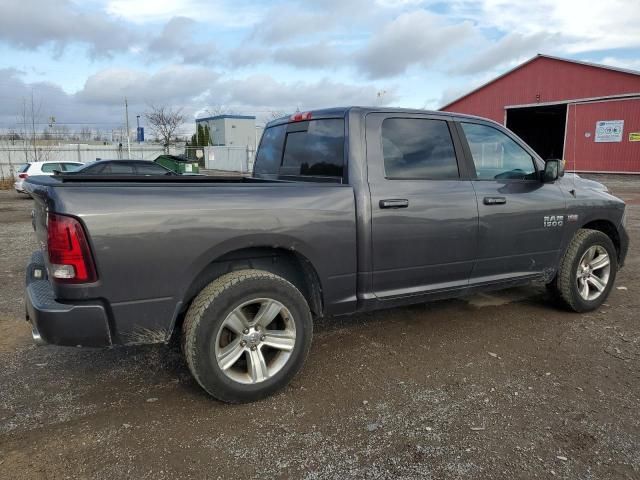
(418, 148)
(496, 156)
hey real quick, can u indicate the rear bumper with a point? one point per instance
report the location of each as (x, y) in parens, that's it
(71, 324)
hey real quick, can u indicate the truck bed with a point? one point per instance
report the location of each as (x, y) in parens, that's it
(151, 237)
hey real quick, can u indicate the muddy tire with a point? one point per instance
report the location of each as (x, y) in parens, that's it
(246, 335)
(587, 271)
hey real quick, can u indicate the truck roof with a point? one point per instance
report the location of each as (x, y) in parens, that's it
(339, 112)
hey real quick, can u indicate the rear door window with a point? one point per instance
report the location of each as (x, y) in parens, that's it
(50, 167)
(92, 168)
(151, 169)
(418, 148)
(69, 167)
(317, 151)
(117, 168)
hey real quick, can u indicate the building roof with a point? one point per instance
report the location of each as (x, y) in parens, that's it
(538, 56)
(219, 117)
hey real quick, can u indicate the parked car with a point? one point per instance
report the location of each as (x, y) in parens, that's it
(348, 210)
(41, 168)
(122, 167)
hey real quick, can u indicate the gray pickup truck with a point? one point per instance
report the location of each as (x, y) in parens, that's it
(348, 210)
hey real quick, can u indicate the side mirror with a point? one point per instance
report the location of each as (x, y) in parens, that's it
(553, 169)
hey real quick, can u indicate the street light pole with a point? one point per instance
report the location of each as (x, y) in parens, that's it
(126, 112)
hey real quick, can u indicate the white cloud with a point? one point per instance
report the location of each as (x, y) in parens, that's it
(510, 49)
(176, 40)
(29, 24)
(316, 56)
(586, 25)
(263, 91)
(238, 13)
(416, 38)
(174, 85)
(628, 63)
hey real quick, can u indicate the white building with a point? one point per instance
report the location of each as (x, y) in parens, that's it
(232, 130)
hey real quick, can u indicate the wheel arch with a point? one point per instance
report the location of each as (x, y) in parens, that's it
(609, 229)
(289, 264)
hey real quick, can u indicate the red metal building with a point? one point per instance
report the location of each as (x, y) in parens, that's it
(585, 113)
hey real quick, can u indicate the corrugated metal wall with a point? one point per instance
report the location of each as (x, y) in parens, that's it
(583, 153)
(544, 80)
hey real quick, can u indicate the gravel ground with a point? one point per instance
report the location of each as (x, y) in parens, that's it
(505, 385)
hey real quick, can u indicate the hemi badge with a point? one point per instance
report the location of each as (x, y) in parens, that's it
(572, 217)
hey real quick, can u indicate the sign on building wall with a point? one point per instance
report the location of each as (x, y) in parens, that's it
(634, 137)
(609, 131)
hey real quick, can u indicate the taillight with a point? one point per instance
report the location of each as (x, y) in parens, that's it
(23, 175)
(69, 254)
(300, 116)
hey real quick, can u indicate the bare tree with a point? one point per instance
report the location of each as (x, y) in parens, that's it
(217, 110)
(29, 116)
(164, 122)
(273, 114)
(85, 134)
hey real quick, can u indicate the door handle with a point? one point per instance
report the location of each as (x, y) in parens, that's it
(495, 200)
(394, 203)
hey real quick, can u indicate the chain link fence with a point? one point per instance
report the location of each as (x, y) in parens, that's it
(237, 159)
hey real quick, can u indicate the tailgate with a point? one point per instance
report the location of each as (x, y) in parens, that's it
(41, 199)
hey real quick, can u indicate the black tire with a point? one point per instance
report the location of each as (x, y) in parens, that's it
(565, 284)
(205, 319)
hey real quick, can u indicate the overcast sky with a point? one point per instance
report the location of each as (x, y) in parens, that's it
(81, 58)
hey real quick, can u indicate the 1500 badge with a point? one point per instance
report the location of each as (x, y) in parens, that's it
(553, 220)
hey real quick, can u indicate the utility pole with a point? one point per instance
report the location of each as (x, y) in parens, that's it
(126, 112)
(33, 129)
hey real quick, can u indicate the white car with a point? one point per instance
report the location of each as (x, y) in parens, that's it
(41, 168)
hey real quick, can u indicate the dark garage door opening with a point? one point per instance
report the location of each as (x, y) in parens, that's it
(541, 127)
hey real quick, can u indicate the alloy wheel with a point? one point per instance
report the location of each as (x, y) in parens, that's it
(593, 272)
(255, 341)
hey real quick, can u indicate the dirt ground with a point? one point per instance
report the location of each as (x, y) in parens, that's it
(505, 385)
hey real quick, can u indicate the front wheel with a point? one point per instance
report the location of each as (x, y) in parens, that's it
(587, 271)
(246, 335)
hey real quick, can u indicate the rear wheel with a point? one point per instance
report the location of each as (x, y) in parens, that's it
(246, 335)
(587, 271)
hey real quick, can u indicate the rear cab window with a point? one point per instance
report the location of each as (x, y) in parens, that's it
(308, 150)
(24, 168)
